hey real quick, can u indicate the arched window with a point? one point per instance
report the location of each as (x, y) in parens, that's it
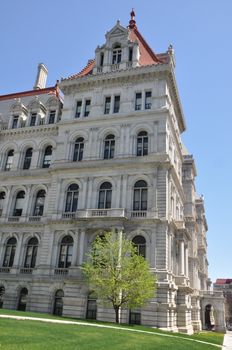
(31, 253)
(39, 203)
(72, 198)
(142, 143)
(105, 194)
(140, 196)
(58, 303)
(91, 311)
(78, 149)
(9, 160)
(2, 198)
(10, 252)
(19, 203)
(140, 243)
(117, 54)
(2, 292)
(27, 159)
(66, 250)
(23, 299)
(47, 157)
(109, 145)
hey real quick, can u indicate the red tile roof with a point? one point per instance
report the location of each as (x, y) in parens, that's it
(223, 281)
(53, 90)
(147, 55)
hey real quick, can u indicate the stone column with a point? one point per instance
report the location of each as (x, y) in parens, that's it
(186, 262)
(81, 247)
(181, 262)
(75, 248)
(18, 252)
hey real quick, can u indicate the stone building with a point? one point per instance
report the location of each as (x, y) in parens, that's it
(225, 285)
(107, 154)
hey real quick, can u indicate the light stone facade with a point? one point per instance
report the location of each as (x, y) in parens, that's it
(166, 211)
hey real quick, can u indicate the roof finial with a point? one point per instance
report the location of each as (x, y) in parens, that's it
(132, 23)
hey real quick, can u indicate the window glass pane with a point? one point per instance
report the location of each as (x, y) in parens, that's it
(78, 110)
(107, 105)
(52, 115)
(116, 104)
(33, 119)
(138, 101)
(87, 108)
(148, 100)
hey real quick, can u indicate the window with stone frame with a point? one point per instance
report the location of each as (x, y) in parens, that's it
(116, 104)
(9, 160)
(140, 196)
(78, 149)
(117, 54)
(27, 158)
(10, 252)
(19, 203)
(87, 108)
(39, 203)
(31, 253)
(2, 200)
(105, 196)
(107, 105)
(71, 203)
(15, 121)
(66, 251)
(51, 118)
(138, 101)
(148, 99)
(142, 144)
(109, 146)
(78, 109)
(47, 159)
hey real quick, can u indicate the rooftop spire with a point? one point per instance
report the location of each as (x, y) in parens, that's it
(132, 22)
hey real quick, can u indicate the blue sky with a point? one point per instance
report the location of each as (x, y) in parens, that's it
(64, 35)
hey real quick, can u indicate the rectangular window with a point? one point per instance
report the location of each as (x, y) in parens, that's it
(138, 101)
(101, 59)
(33, 119)
(52, 115)
(148, 100)
(107, 105)
(87, 108)
(78, 110)
(15, 122)
(116, 104)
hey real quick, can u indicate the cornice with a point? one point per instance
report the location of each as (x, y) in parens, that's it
(119, 76)
(49, 129)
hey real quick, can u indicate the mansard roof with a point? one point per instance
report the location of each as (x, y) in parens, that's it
(147, 55)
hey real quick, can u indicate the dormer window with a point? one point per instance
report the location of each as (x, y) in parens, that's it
(15, 122)
(117, 54)
(33, 119)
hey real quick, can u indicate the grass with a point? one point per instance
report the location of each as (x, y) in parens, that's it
(32, 335)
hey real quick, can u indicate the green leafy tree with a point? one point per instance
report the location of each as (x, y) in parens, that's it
(118, 274)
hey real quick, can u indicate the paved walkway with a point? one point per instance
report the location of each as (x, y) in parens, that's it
(227, 344)
(117, 327)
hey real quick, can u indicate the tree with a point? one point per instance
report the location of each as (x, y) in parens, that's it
(118, 274)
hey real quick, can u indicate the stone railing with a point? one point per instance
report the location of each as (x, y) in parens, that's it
(4, 269)
(61, 271)
(26, 271)
(143, 214)
(94, 213)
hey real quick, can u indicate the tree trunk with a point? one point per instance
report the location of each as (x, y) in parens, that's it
(116, 309)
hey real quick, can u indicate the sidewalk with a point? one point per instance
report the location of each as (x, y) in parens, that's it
(227, 343)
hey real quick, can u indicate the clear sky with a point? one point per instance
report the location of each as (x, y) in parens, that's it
(64, 34)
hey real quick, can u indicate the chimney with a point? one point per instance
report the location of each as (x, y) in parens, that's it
(41, 78)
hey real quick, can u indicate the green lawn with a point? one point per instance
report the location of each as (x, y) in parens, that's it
(30, 335)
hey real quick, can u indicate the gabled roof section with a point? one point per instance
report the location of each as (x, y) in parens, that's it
(53, 90)
(147, 55)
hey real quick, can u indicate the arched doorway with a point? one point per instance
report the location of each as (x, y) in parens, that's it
(58, 303)
(23, 296)
(209, 317)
